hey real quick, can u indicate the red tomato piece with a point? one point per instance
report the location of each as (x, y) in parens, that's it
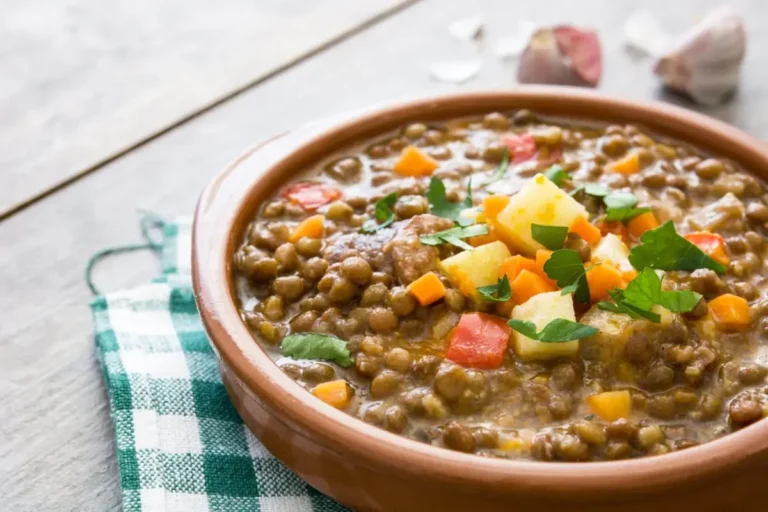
(521, 147)
(479, 341)
(311, 196)
(712, 244)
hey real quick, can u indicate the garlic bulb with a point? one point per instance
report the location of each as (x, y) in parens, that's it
(705, 62)
(562, 55)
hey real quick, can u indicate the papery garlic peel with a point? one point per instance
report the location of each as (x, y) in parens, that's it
(705, 62)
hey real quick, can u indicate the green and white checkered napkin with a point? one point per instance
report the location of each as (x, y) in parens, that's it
(181, 445)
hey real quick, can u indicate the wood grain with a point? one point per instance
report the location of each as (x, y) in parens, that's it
(83, 80)
(55, 439)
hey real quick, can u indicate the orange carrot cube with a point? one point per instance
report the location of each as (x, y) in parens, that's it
(586, 230)
(642, 223)
(730, 311)
(414, 162)
(527, 284)
(335, 393)
(628, 165)
(311, 227)
(427, 289)
(602, 279)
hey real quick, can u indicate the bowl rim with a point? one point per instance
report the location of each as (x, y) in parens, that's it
(213, 235)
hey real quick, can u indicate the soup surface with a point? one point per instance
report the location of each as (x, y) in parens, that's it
(519, 287)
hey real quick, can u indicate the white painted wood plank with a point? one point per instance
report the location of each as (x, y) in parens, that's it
(81, 80)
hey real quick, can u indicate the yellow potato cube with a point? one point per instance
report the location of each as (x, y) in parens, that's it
(469, 270)
(612, 250)
(542, 309)
(607, 344)
(474, 214)
(539, 202)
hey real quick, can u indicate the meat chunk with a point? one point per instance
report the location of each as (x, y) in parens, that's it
(410, 257)
(369, 247)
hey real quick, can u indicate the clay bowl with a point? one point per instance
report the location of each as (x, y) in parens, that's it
(368, 468)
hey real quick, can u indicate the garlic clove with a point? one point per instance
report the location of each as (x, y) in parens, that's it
(705, 62)
(562, 55)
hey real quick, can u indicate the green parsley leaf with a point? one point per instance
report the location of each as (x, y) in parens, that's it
(501, 170)
(571, 288)
(565, 267)
(551, 237)
(680, 301)
(662, 248)
(311, 345)
(596, 189)
(557, 175)
(558, 330)
(620, 200)
(383, 214)
(458, 242)
(624, 214)
(621, 207)
(644, 292)
(499, 292)
(620, 306)
(440, 205)
(455, 235)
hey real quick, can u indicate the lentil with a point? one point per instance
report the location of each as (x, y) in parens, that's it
(691, 379)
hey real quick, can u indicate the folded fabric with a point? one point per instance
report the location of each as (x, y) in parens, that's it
(180, 444)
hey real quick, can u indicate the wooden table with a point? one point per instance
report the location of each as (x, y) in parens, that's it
(113, 106)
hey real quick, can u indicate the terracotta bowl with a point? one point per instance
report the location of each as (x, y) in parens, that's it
(368, 468)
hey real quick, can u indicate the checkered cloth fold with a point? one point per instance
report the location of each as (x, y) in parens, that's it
(181, 445)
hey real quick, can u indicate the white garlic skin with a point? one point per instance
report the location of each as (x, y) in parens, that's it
(705, 62)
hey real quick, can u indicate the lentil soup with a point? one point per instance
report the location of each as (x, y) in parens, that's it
(519, 287)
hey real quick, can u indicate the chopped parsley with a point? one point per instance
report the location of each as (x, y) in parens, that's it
(551, 237)
(592, 189)
(557, 175)
(501, 170)
(313, 345)
(558, 330)
(439, 203)
(620, 306)
(565, 267)
(624, 214)
(662, 248)
(596, 189)
(644, 292)
(384, 216)
(620, 206)
(620, 200)
(499, 292)
(455, 236)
